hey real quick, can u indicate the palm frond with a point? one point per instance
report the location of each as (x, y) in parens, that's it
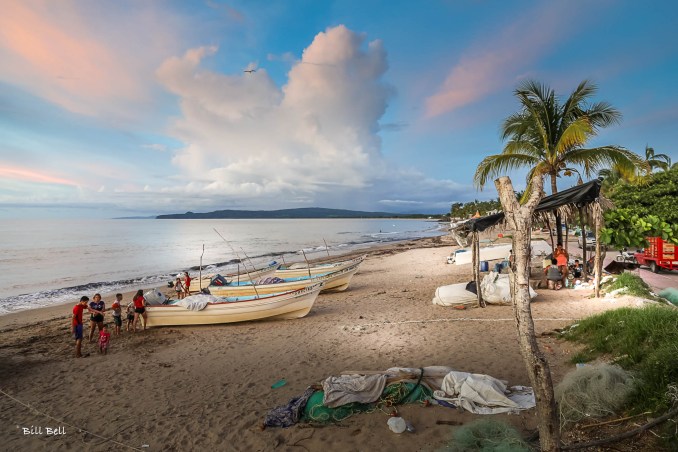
(602, 114)
(575, 135)
(604, 157)
(495, 165)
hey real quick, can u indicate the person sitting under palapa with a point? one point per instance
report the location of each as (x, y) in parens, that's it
(553, 276)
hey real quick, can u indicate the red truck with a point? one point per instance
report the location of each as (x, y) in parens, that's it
(659, 254)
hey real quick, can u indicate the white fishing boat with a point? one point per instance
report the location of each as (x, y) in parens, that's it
(336, 281)
(198, 284)
(303, 269)
(292, 304)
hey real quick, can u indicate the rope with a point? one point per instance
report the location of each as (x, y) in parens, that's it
(66, 423)
(461, 319)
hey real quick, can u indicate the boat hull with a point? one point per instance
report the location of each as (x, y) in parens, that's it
(303, 270)
(333, 282)
(198, 284)
(288, 305)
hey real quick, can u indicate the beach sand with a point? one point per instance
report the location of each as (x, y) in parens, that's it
(209, 387)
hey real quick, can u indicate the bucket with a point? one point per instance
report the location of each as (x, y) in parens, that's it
(484, 266)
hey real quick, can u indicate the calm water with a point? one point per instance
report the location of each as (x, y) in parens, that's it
(51, 261)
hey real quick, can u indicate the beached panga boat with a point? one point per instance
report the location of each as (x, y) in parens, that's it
(292, 304)
(258, 273)
(303, 269)
(332, 282)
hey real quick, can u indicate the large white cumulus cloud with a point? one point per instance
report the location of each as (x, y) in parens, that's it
(317, 136)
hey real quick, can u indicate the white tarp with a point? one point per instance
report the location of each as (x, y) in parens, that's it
(496, 288)
(352, 388)
(197, 302)
(482, 394)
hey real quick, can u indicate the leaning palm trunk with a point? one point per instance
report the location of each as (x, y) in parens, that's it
(520, 219)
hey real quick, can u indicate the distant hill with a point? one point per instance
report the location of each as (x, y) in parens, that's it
(307, 212)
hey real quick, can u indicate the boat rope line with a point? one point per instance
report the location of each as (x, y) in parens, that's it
(66, 423)
(460, 319)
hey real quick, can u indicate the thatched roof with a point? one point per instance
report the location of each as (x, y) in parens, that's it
(567, 203)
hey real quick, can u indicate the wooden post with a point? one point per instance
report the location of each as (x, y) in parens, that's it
(584, 272)
(476, 267)
(520, 219)
(598, 262)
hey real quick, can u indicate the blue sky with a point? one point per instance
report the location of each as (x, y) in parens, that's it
(139, 108)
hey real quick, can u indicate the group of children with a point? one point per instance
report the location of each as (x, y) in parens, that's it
(182, 286)
(97, 309)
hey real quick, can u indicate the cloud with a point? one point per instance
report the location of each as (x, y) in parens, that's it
(82, 59)
(29, 175)
(498, 62)
(155, 147)
(247, 139)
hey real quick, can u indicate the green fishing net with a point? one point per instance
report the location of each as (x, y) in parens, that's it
(394, 394)
(486, 435)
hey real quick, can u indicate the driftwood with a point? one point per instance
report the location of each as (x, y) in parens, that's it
(621, 436)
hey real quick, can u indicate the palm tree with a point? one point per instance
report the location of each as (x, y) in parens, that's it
(653, 160)
(549, 137)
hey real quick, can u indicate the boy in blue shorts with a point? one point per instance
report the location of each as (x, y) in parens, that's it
(76, 324)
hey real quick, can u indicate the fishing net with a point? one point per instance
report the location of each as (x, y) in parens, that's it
(592, 391)
(393, 394)
(670, 294)
(487, 436)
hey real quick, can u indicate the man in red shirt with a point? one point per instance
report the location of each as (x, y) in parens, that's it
(76, 324)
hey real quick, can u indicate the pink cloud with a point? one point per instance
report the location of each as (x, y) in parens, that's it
(23, 174)
(74, 56)
(497, 62)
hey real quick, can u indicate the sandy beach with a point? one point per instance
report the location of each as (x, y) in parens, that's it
(209, 387)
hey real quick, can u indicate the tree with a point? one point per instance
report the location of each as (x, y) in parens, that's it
(654, 161)
(520, 219)
(656, 196)
(548, 136)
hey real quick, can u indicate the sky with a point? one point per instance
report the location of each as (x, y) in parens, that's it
(138, 108)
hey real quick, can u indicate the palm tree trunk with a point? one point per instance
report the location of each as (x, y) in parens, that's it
(520, 219)
(584, 271)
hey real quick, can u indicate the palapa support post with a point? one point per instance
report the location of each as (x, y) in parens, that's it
(476, 268)
(598, 262)
(582, 225)
(520, 219)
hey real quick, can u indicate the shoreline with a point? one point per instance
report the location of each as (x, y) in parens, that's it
(43, 313)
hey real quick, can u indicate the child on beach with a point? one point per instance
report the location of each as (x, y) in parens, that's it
(187, 284)
(130, 315)
(179, 287)
(117, 313)
(104, 337)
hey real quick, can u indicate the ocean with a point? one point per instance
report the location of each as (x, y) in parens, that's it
(48, 262)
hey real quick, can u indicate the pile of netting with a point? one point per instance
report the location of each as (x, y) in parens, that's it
(592, 391)
(670, 294)
(486, 435)
(393, 394)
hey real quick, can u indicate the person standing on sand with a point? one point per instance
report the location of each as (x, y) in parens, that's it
(117, 313)
(76, 324)
(562, 257)
(139, 309)
(104, 338)
(97, 308)
(187, 284)
(179, 288)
